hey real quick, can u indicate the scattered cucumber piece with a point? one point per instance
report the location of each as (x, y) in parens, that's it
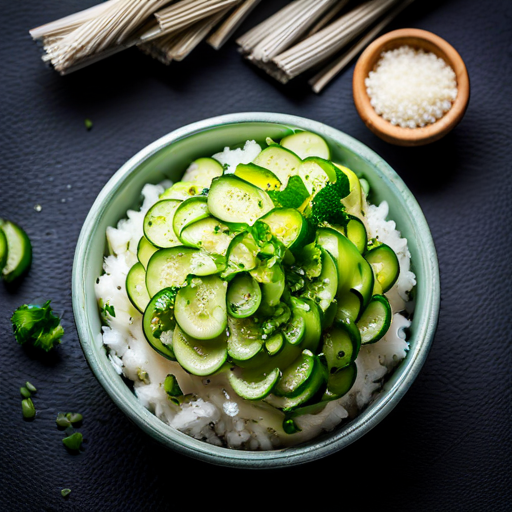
(307, 144)
(158, 224)
(3, 250)
(200, 308)
(375, 320)
(243, 296)
(19, 251)
(136, 287)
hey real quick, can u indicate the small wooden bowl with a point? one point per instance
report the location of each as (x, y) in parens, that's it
(430, 43)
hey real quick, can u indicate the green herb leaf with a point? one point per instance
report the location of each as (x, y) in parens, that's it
(74, 441)
(28, 409)
(25, 393)
(37, 325)
(88, 124)
(292, 196)
(30, 387)
(62, 420)
(65, 492)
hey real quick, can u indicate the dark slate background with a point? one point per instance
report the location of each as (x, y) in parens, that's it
(446, 446)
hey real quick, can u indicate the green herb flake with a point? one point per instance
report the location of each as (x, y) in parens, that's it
(28, 409)
(73, 442)
(62, 420)
(30, 387)
(88, 124)
(37, 325)
(25, 393)
(65, 492)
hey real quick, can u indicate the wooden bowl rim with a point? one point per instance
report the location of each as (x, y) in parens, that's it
(396, 134)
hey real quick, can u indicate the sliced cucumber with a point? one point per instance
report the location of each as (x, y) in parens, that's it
(202, 171)
(158, 224)
(296, 375)
(145, 249)
(288, 226)
(307, 144)
(275, 343)
(316, 173)
(181, 191)
(311, 314)
(281, 161)
(200, 308)
(232, 199)
(244, 340)
(244, 296)
(295, 329)
(385, 263)
(341, 345)
(272, 290)
(356, 233)
(136, 287)
(375, 320)
(353, 202)
(340, 382)
(189, 211)
(170, 267)
(158, 322)
(253, 386)
(3, 250)
(19, 251)
(199, 357)
(241, 255)
(258, 176)
(208, 234)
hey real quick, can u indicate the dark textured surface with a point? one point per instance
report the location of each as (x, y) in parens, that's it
(447, 446)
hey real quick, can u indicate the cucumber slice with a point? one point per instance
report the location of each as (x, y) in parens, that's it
(158, 224)
(19, 251)
(311, 314)
(385, 263)
(202, 171)
(253, 386)
(296, 375)
(181, 191)
(189, 211)
(323, 289)
(272, 290)
(354, 201)
(232, 199)
(375, 320)
(258, 176)
(136, 287)
(145, 249)
(356, 233)
(281, 161)
(200, 308)
(295, 329)
(307, 144)
(243, 296)
(241, 255)
(316, 173)
(208, 234)
(341, 345)
(199, 357)
(170, 267)
(288, 226)
(244, 340)
(3, 250)
(158, 322)
(340, 382)
(274, 344)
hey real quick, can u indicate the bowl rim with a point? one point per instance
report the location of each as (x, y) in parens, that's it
(301, 453)
(396, 134)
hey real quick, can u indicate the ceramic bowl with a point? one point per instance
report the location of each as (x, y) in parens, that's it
(168, 157)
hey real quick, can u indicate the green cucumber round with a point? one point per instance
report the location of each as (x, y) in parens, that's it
(385, 263)
(158, 224)
(136, 287)
(375, 320)
(189, 211)
(253, 386)
(307, 144)
(19, 251)
(145, 249)
(243, 296)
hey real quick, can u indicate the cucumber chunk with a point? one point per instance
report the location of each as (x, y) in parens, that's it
(145, 249)
(341, 345)
(158, 224)
(258, 176)
(199, 357)
(170, 267)
(375, 320)
(316, 173)
(311, 314)
(272, 288)
(295, 329)
(281, 161)
(189, 211)
(274, 344)
(296, 375)
(208, 234)
(158, 322)
(307, 144)
(340, 382)
(19, 251)
(136, 287)
(243, 296)
(288, 226)
(244, 340)
(385, 263)
(200, 308)
(232, 199)
(253, 386)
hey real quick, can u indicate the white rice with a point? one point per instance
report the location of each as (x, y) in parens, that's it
(218, 415)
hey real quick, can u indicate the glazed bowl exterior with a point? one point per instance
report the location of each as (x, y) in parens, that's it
(167, 158)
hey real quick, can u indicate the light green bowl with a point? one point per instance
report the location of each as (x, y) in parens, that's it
(168, 157)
